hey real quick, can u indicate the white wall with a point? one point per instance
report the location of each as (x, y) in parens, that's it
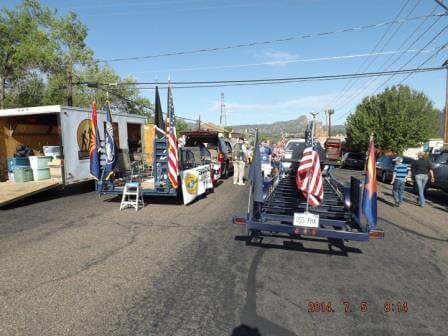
(77, 170)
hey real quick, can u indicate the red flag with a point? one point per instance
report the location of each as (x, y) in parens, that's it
(309, 177)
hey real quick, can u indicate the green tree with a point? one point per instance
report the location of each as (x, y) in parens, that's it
(43, 56)
(69, 35)
(181, 126)
(398, 117)
(25, 43)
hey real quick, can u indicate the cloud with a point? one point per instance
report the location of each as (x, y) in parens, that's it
(287, 107)
(276, 57)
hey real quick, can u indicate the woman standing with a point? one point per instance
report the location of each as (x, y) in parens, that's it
(421, 169)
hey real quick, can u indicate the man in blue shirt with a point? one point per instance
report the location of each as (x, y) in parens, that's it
(266, 156)
(277, 165)
(401, 172)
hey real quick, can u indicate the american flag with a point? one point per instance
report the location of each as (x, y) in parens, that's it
(173, 157)
(309, 176)
(283, 139)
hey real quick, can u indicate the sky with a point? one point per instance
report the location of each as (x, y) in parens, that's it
(121, 29)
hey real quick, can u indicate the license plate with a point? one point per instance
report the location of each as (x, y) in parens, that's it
(306, 219)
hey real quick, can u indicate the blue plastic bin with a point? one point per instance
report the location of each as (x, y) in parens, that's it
(17, 162)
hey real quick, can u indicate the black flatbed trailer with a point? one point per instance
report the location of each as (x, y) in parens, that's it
(340, 215)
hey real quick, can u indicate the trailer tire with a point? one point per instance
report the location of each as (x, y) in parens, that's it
(179, 195)
(253, 233)
(225, 171)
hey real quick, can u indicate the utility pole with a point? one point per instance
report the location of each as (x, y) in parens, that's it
(445, 132)
(222, 117)
(329, 113)
(69, 87)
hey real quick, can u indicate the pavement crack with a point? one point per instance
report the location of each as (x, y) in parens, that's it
(412, 231)
(93, 262)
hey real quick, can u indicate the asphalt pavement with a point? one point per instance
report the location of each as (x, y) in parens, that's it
(73, 264)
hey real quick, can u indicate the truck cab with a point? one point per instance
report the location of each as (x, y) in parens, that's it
(333, 149)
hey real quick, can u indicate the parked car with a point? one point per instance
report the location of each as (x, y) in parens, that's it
(353, 160)
(293, 153)
(219, 148)
(385, 167)
(440, 169)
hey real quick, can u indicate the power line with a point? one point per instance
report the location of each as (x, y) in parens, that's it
(297, 60)
(411, 73)
(442, 4)
(286, 80)
(426, 61)
(404, 79)
(255, 43)
(412, 58)
(397, 58)
(365, 65)
(149, 107)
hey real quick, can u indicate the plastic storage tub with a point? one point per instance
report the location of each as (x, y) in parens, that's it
(41, 174)
(17, 162)
(23, 174)
(39, 162)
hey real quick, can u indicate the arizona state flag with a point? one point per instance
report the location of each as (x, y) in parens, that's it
(111, 155)
(94, 145)
(369, 199)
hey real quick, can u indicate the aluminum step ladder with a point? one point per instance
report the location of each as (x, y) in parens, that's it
(132, 196)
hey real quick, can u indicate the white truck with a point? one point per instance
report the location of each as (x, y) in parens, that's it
(66, 127)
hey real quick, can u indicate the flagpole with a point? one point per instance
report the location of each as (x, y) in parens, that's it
(314, 114)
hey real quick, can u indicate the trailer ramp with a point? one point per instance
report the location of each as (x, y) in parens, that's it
(11, 192)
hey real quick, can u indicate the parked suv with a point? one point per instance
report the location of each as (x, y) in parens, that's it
(219, 148)
(293, 153)
(440, 169)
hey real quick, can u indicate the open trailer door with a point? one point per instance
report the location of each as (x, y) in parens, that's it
(34, 128)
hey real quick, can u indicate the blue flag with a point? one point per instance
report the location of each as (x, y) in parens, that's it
(369, 199)
(255, 172)
(111, 157)
(94, 145)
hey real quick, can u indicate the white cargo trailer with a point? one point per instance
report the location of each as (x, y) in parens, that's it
(67, 127)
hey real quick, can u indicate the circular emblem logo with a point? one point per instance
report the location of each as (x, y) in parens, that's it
(191, 184)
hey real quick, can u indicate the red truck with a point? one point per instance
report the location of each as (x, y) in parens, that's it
(333, 149)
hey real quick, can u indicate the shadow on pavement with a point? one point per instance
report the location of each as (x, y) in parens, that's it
(436, 199)
(48, 195)
(244, 330)
(253, 324)
(294, 245)
(385, 201)
(439, 198)
(412, 231)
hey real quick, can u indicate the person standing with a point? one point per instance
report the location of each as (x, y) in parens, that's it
(277, 166)
(239, 162)
(249, 154)
(422, 170)
(266, 158)
(399, 180)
